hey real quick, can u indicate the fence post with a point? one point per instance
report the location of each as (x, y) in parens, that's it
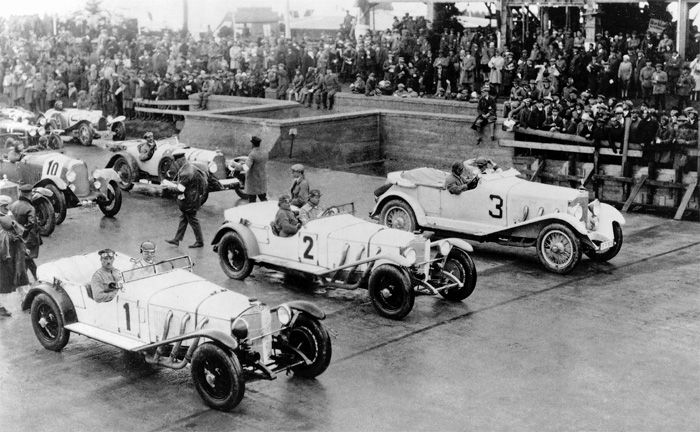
(624, 168)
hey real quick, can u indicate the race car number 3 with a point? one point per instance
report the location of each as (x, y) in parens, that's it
(52, 167)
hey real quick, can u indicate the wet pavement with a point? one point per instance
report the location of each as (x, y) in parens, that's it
(609, 347)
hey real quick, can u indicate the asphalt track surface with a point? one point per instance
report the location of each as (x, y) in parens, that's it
(609, 347)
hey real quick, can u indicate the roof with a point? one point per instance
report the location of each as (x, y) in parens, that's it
(317, 23)
(256, 15)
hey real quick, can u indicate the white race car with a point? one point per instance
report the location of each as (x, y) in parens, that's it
(342, 250)
(81, 124)
(504, 208)
(172, 317)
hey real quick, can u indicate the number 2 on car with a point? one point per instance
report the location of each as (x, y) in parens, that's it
(308, 248)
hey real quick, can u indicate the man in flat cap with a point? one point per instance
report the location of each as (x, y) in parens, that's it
(456, 183)
(189, 202)
(300, 186)
(311, 210)
(25, 215)
(107, 280)
(286, 223)
(256, 178)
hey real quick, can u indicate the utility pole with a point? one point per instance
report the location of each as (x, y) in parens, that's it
(287, 21)
(185, 15)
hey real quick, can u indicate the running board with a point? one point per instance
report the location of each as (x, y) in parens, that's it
(104, 336)
(287, 264)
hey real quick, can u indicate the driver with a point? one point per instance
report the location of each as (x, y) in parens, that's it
(286, 222)
(63, 121)
(456, 183)
(16, 152)
(148, 148)
(148, 255)
(107, 279)
(311, 210)
(486, 166)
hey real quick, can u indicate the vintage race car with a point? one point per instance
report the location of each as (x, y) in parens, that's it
(343, 250)
(81, 124)
(170, 317)
(28, 133)
(158, 168)
(68, 180)
(18, 114)
(504, 208)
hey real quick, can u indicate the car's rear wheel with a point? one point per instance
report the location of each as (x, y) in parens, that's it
(233, 256)
(165, 169)
(111, 206)
(398, 214)
(310, 338)
(460, 265)
(127, 176)
(45, 215)
(558, 248)
(613, 251)
(47, 323)
(119, 132)
(218, 377)
(85, 134)
(58, 200)
(391, 292)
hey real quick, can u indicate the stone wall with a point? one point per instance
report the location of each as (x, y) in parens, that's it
(349, 102)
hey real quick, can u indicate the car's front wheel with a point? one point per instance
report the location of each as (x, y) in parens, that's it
(459, 265)
(113, 203)
(233, 256)
(391, 292)
(398, 214)
(218, 377)
(558, 248)
(45, 215)
(55, 142)
(127, 176)
(309, 337)
(58, 200)
(47, 323)
(613, 251)
(85, 133)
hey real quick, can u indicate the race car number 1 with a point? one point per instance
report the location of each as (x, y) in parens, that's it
(52, 167)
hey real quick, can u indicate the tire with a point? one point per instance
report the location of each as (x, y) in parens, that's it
(55, 142)
(558, 248)
(47, 323)
(218, 377)
(310, 337)
(102, 124)
(391, 292)
(613, 251)
(164, 167)
(459, 264)
(45, 215)
(398, 214)
(233, 256)
(114, 200)
(119, 132)
(85, 133)
(59, 203)
(127, 176)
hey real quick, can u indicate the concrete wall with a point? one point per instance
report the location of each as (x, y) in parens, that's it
(349, 102)
(226, 133)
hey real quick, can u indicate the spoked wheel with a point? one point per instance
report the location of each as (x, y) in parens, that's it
(47, 323)
(55, 142)
(45, 215)
(391, 292)
(233, 256)
(126, 173)
(460, 266)
(397, 214)
(85, 134)
(119, 132)
(111, 206)
(310, 337)
(58, 200)
(217, 377)
(558, 248)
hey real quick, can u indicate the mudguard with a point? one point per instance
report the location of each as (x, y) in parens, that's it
(115, 120)
(105, 174)
(58, 294)
(308, 307)
(459, 243)
(243, 231)
(565, 218)
(397, 194)
(41, 191)
(57, 181)
(609, 214)
(216, 335)
(131, 160)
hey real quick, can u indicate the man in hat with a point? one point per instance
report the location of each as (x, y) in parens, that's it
(146, 149)
(659, 79)
(286, 223)
(554, 122)
(311, 210)
(13, 270)
(148, 255)
(645, 80)
(256, 178)
(190, 200)
(300, 186)
(486, 110)
(107, 280)
(486, 166)
(456, 183)
(25, 215)
(684, 86)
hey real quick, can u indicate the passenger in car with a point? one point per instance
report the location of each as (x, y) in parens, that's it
(486, 166)
(16, 152)
(311, 210)
(456, 183)
(286, 223)
(148, 255)
(107, 280)
(146, 149)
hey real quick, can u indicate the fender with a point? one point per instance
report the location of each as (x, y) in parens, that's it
(55, 180)
(246, 234)
(412, 202)
(458, 243)
(130, 159)
(106, 174)
(41, 192)
(396, 261)
(115, 120)
(216, 335)
(575, 224)
(306, 306)
(57, 294)
(610, 214)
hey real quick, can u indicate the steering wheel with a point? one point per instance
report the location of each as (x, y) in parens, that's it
(330, 211)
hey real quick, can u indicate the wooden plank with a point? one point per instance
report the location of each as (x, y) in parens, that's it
(686, 199)
(159, 111)
(178, 102)
(624, 166)
(635, 191)
(568, 148)
(614, 178)
(588, 177)
(665, 184)
(553, 135)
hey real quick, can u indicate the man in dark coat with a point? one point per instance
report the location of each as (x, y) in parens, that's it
(486, 108)
(195, 183)
(256, 178)
(286, 223)
(13, 270)
(25, 215)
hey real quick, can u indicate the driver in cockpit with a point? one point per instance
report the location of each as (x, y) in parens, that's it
(311, 210)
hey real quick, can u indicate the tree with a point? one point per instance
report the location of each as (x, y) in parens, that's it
(225, 32)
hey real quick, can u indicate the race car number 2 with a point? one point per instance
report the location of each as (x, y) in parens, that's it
(308, 247)
(52, 167)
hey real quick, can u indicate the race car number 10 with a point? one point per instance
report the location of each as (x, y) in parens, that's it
(52, 167)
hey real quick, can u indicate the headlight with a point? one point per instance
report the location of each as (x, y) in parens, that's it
(239, 329)
(445, 248)
(42, 121)
(212, 167)
(42, 131)
(97, 184)
(71, 176)
(284, 315)
(410, 255)
(576, 211)
(32, 132)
